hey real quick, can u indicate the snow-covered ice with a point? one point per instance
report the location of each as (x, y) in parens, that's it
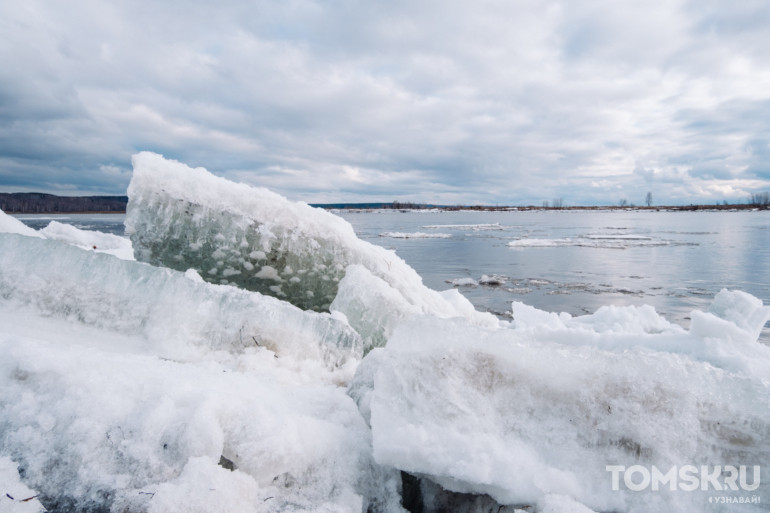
(472, 227)
(231, 233)
(593, 240)
(89, 239)
(514, 415)
(154, 386)
(415, 235)
(464, 282)
(9, 224)
(86, 239)
(252, 238)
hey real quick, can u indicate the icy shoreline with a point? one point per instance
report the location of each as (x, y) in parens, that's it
(134, 387)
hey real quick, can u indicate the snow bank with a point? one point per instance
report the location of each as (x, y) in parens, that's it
(540, 410)
(181, 317)
(372, 306)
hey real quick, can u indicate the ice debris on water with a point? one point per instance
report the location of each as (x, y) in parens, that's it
(183, 386)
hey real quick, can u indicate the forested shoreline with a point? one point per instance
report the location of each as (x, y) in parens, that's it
(40, 203)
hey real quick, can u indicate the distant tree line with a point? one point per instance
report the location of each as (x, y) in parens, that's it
(760, 199)
(408, 205)
(39, 203)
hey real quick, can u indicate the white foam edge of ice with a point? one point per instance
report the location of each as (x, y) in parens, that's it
(606, 242)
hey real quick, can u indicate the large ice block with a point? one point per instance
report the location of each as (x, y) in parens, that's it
(231, 233)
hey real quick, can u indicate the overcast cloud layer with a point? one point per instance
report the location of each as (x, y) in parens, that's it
(493, 102)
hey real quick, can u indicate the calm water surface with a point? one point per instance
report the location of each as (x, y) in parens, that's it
(576, 261)
(570, 261)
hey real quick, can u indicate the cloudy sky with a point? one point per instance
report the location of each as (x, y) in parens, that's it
(495, 102)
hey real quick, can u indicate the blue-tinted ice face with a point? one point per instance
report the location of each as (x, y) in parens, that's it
(228, 248)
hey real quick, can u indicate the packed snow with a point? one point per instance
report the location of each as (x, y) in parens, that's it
(159, 386)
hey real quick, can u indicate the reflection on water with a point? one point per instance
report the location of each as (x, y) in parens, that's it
(570, 261)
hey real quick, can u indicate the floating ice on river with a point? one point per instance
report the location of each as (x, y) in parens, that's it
(415, 235)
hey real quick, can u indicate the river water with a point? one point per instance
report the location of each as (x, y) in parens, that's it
(564, 261)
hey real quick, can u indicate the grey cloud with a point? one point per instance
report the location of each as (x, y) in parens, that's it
(495, 101)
